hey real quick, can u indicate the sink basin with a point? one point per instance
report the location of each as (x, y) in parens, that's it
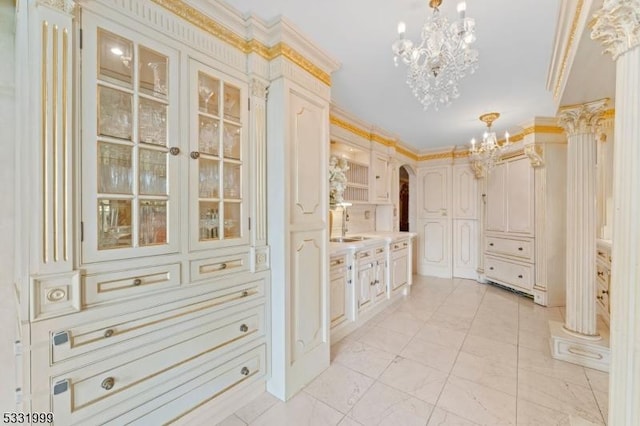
(347, 239)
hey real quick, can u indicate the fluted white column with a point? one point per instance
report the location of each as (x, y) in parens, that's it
(617, 26)
(579, 122)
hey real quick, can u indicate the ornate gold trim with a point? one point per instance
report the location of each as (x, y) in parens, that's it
(406, 153)
(349, 127)
(211, 26)
(565, 57)
(437, 156)
(383, 141)
(610, 113)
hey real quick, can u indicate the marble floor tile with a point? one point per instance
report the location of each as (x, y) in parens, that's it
(402, 322)
(442, 336)
(599, 380)
(450, 320)
(503, 332)
(503, 353)
(531, 414)
(232, 420)
(387, 340)
(339, 387)
(440, 417)
(558, 395)
(348, 421)
(430, 354)
(416, 379)
(302, 409)
(363, 358)
(416, 309)
(538, 342)
(541, 362)
(487, 372)
(478, 403)
(602, 398)
(383, 405)
(255, 408)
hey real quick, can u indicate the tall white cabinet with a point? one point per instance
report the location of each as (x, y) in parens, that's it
(523, 233)
(144, 286)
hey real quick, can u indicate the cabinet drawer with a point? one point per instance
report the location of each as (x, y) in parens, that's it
(399, 245)
(110, 384)
(512, 273)
(364, 254)
(203, 269)
(137, 329)
(102, 288)
(518, 248)
(603, 255)
(602, 296)
(338, 262)
(602, 273)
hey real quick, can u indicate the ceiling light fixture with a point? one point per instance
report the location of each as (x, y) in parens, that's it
(441, 59)
(488, 152)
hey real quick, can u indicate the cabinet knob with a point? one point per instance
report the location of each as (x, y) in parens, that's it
(195, 155)
(491, 244)
(601, 273)
(605, 291)
(491, 268)
(137, 282)
(223, 266)
(600, 297)
(244, 328)
(245, 293)
(245, 371)
(520, 249)
(174, 150)
(519, 276)
(108, 383)
(108, 333)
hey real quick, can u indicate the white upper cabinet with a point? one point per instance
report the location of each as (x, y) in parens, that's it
(520, 196)
(496, 199)
(381, 177)
(217, 158)
(130, 144)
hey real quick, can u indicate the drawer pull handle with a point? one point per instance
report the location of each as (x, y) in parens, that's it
(396, 246)
(195, 155)
(601, 273)
(520, 248)
(519, 276)
(137, 282)
(245, 371)
(405, 244)
(600, 253)
(491, 244)
(605, 291)
(223, 266)
(379, 250)
(108, 333)
(600, 297)
(244, 328)
(491, 268)
(245, 293)
(107, 384)
(60, 338)
(174, 150)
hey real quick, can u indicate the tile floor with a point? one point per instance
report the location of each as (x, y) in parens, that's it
(454, 352)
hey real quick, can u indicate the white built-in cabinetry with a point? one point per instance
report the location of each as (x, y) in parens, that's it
(447, 221)
(524, 216)
(380, 177)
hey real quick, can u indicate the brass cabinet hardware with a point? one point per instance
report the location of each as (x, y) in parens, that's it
(108, 333)
(107, 384)
(137, 282)
(244, 328)
(174, 150)
(244, 371)
(195, 155)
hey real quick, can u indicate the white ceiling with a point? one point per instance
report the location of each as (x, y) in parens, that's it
(514, 40)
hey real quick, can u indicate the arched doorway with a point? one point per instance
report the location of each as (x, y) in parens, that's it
(404, 199)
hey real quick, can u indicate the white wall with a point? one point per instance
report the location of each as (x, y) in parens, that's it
(361, 219)
(7, 212)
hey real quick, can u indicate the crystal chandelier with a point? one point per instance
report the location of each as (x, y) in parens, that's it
(441, 59)
(488, 152)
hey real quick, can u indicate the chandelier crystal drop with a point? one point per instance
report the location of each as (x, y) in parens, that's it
(489, 150)
(442, 58)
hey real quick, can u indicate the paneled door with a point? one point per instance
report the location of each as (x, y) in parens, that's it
(434, 221)
(496, 199)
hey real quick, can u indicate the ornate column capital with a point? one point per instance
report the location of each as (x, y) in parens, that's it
(66, 6)
(617, 26)
(582, 118)
(258, 88)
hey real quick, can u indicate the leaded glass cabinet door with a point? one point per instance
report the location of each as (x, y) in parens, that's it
(218, 158)
(130, 135)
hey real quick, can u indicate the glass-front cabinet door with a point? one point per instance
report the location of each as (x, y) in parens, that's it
(130, 136)
(218, 114)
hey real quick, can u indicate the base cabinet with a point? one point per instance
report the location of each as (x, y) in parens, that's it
(603, 279)
(339, 289)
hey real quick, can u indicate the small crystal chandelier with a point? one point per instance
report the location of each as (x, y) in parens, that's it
(488, 152)
(441, 59)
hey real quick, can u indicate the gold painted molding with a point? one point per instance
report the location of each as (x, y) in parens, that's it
(213, 27)
(567, 49)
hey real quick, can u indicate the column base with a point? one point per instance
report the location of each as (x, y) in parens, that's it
(577, 350)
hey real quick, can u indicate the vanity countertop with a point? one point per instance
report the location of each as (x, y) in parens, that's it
(373, 238)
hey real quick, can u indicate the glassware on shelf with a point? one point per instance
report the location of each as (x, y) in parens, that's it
(153, 72)
(208, 178)
(114, 113)
(152, 122)
(115, 58)
(153, 223)
(114, 168)
(231, 102)
(208, 137)
(208, 94)
(209, 222)
(152, 172)
(114, 224)
(231, 180)
(231, 220)
(231, 141)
